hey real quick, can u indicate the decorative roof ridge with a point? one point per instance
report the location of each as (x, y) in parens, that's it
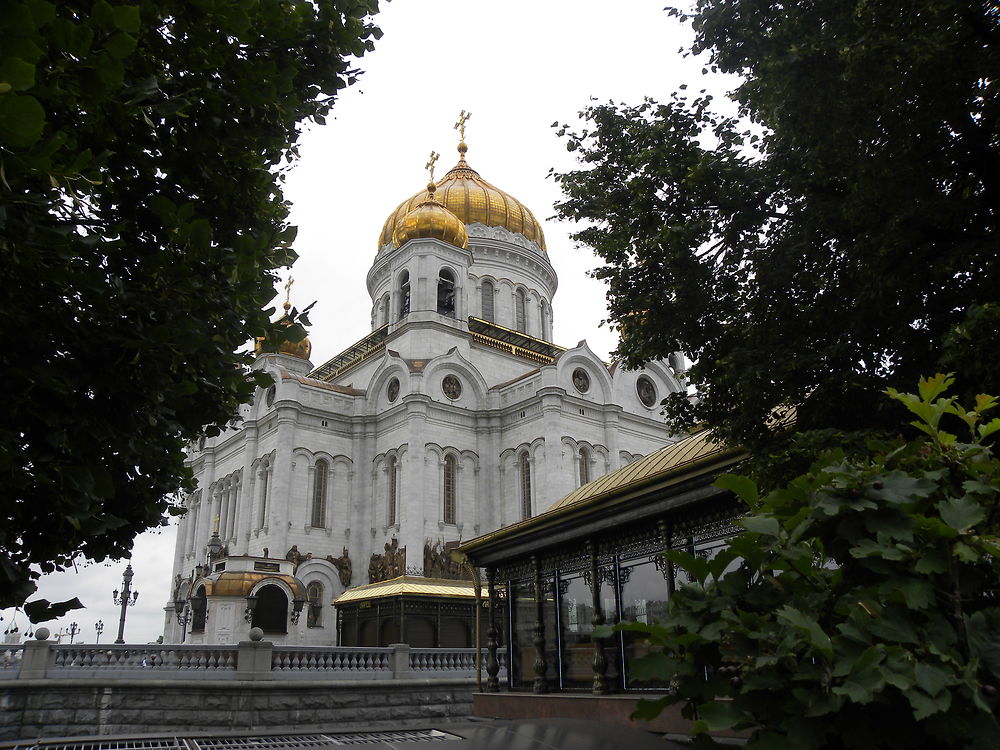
(693, 454)
(305, 380)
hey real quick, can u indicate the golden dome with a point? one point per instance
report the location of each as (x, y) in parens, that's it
(472, 199)
(301, 349)
(430, 220)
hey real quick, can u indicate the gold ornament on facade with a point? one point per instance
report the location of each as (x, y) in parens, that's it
(301, 349)
(430, 220)
(472, 199)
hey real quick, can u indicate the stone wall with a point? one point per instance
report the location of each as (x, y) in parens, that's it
(71, 707)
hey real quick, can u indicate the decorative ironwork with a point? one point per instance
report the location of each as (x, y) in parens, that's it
(540, 666)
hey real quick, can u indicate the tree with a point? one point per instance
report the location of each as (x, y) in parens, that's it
(838, 238)
(860, 608)
(142, 146)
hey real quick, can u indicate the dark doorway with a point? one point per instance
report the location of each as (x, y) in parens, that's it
(271, 613)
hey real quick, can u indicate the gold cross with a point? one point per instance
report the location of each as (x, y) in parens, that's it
(429, 166)
(288, 290)
(460, 125)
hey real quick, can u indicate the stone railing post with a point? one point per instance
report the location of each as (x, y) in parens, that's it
(253, 660)
(38, 655)
(400, 660)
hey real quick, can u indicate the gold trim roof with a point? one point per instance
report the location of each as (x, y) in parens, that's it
(409, 586)
(241, 582)
(685, 459)
(473, 200)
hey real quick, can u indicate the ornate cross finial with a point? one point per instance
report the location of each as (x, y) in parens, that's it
(460, 125)
(429, 166)
(288, 292)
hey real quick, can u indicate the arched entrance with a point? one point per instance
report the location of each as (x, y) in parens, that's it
(271, 612)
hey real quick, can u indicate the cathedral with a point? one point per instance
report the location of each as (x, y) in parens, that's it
(456, 416)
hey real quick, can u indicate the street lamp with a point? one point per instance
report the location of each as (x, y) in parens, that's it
(125, 600)
(183, 614)
(251, 606)
(297, 605)
(73, 630)
(99, 627)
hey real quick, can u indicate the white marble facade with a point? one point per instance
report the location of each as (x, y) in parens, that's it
(315, 462)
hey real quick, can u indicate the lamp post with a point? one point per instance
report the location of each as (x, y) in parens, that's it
(297, 605)
(126, 600)
(73, 630)
(183, 614)
(99, 628)
(251, 606)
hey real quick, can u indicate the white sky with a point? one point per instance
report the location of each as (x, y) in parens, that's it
(518, 66)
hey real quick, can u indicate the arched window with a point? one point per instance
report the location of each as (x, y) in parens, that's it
(446, 293)
(319, 495)
(404, 295)
(525, 486)
(391, 491)
(520, 306)
(488, 313)
(384, 312)
(265, 476)
(584, 466)
(314, 592)
(449, 489)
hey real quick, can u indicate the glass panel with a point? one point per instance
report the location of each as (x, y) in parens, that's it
(576, 621)
(522, 640)
(644, 599)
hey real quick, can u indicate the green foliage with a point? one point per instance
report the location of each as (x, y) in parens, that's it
(838, 238)
(142, 149)
(865, 608)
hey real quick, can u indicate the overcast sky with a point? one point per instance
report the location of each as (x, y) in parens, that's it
(517, 66)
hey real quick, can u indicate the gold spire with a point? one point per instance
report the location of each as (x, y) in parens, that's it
(460, 125)
(429, 166)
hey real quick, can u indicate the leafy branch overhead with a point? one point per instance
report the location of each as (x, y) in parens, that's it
(836, 238)
(142, 150)
(860, 608)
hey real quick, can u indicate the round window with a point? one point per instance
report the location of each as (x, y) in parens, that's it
(269, 396)
(581, 380)
(451, 386)
(646, 391)
(392, 392)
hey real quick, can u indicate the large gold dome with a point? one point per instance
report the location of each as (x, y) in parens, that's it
(430, 220)
(472, 199)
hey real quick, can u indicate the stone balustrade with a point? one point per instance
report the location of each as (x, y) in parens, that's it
(250, 660)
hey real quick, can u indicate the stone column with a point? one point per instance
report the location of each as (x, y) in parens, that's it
(281, 484)
(37, 656)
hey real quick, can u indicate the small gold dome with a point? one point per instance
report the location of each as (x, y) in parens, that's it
(430, 220)
(301, 349)
(473, 200)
